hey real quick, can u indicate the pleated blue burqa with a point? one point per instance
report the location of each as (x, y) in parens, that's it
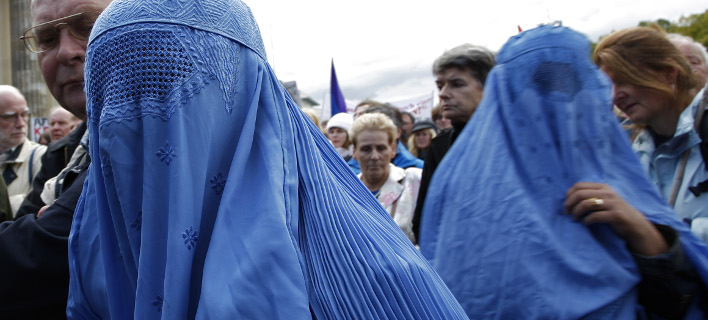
(212, 196)
(493, 224)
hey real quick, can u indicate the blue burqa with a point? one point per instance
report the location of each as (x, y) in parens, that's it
(211, 195)
(493, 224)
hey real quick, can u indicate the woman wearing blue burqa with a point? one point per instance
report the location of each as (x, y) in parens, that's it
(551, 215)
(212, 196)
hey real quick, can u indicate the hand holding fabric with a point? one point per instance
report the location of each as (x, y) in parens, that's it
(599, 203)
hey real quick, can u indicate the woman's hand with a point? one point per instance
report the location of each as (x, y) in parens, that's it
(599, 203)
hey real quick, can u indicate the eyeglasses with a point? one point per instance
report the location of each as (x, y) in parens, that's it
(12, 116)
(44, 37)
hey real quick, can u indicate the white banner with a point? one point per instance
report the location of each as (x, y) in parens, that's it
(421, 107)
(39, 125)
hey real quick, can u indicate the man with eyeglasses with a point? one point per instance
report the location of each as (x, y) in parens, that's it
(59, 37)
(20, 158)
(33, 251)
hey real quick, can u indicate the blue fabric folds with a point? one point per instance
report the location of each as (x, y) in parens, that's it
(211, 196)
(493, 225)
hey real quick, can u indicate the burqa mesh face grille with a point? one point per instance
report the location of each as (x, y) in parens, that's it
(150, 64)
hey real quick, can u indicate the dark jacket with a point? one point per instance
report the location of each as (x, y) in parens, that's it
(34, 259)
(5, 208)
(435, 153)
(53, 162)
(34, 251)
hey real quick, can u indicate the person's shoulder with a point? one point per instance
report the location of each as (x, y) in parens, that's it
(414, 173)
(444, 138)
(37, 146)
(58, 144)
(38, 150)
(441, 143)
(396, 173)
(405, 159)
(71, 140)
(444, 135)
(32, 149)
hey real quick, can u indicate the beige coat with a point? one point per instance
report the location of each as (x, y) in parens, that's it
(18, 188)
(398, 196)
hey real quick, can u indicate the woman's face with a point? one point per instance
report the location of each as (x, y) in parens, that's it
(422, 139)
(374, 152)
(443, 123)
(338, 136)
(644, 106)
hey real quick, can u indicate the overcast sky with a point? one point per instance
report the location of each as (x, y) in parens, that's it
(384, 49)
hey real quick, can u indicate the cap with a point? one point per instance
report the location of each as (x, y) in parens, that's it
(341, 120)
(425, 124)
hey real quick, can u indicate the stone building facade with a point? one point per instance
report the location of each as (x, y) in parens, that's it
(19, 66)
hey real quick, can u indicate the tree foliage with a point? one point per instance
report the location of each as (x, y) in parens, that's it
(694, 26)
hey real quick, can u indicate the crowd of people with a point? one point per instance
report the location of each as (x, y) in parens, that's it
(20, 161)
(193, 186)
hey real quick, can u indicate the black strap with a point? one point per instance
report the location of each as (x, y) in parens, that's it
(703, 133)
(701, 126)
(31, 163)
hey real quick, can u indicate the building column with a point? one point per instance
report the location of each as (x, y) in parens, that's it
(26, 75)
(5, 53)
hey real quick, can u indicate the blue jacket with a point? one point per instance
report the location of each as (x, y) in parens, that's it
(662, 164)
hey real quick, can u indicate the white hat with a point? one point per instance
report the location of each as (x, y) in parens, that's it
(341, 120)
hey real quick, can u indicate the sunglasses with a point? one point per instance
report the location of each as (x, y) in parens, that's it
(46, 36)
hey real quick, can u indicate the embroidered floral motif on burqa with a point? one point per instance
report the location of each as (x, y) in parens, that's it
(493, 225)
(212, 196)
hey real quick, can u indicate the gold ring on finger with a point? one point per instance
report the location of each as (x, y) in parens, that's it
(596, 202)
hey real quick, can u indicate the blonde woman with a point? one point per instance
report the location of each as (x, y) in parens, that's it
(396, 189)
(422, 134)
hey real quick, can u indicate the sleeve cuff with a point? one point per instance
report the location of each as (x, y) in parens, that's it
(665, 263)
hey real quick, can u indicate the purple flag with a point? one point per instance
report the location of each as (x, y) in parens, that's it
(337, 99)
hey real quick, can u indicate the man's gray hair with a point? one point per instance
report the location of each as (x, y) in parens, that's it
(6, 88)
(477, 59)
(677, 39)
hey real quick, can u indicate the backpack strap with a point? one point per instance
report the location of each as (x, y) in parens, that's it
(31, 162)
(701, 126)
(700, 123)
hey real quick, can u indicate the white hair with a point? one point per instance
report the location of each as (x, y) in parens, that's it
(678, 39)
